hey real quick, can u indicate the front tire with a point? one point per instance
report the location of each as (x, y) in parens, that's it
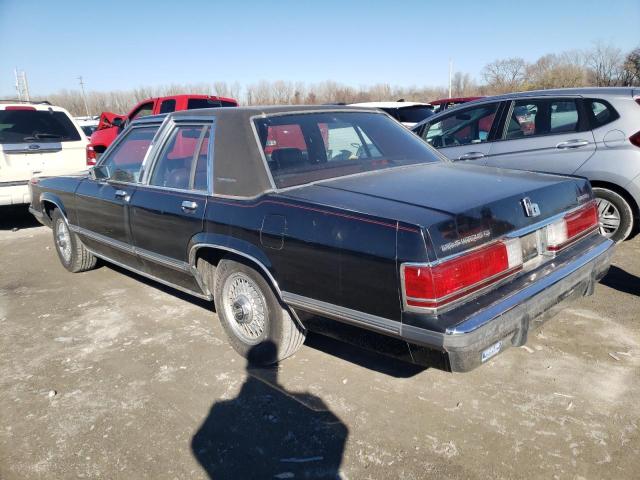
(72, 253)
(615, 214)
(252, 316)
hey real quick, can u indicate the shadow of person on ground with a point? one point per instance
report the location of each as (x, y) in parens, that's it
(268, 432)
(17, 217)
(622, 281)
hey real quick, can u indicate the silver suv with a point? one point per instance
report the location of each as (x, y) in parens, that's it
(591, 132)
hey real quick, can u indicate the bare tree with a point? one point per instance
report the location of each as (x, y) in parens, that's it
(605, 64)
(505, 75)
(631, 69)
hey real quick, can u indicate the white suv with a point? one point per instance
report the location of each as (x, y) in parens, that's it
(36, 139)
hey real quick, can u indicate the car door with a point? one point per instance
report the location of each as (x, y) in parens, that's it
(167, 210)
(464, 134)
(102, 200)
(544, 134)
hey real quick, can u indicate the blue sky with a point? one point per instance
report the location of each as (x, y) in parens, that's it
(118, 44)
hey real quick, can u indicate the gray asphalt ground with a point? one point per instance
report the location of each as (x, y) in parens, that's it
(107, 375)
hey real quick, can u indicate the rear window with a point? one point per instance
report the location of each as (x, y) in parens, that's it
(414, 114)
(195, 103)
(41, 126)
(601, 113)
(320, 146)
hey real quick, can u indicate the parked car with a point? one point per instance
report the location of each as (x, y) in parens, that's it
(591, 132)
(407, 113)
(88, 124)
(36, 138)
(111, 124)
(393, 238)
(444, 103)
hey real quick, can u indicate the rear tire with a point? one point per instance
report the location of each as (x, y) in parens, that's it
(72, 253)
(615, 213)
(257, 325)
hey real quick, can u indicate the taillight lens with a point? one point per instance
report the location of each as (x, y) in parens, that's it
(635, 139)
(20, 108)
(91, 155)
(572, 226)
(433, 286)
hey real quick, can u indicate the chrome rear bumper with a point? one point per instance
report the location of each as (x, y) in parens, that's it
(508, 320)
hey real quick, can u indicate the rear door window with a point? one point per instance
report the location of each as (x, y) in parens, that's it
(168, 106)
(182, 164)
(39, 126)
(531, 118)
(125, 160)
(563, 116)
(464, 127)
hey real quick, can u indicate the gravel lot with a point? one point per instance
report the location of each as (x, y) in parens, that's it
(107, 375)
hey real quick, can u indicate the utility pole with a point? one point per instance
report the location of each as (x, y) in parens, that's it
(15, 71)
(22, 86)
(450, 75)
(84, 97)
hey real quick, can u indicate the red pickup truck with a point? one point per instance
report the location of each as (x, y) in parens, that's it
(111, 124)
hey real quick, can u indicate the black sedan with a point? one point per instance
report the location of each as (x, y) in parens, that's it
(293, 217)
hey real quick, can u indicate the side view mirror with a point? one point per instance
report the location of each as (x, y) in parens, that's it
(99, 172)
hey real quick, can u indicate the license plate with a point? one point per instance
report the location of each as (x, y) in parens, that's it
(491, 351)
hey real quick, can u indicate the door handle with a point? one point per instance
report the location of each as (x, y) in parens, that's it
(572, 144)
(190, 206)
(122, 194)
(471, 156)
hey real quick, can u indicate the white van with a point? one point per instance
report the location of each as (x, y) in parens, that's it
(36, 139)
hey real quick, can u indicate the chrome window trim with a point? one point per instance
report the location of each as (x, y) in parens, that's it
(160, 142)
(119, 139)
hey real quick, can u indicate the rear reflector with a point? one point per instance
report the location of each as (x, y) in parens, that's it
(572, 227)
(433, 286)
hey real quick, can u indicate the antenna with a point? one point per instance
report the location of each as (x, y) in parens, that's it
(84, 97)
(450, 73)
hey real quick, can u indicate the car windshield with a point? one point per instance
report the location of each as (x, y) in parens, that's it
(24, 126)
(414, 114)
(307, 147)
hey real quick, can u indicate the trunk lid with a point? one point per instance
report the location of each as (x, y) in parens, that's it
(481, 203)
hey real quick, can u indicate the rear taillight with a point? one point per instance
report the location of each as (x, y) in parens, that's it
(434, 286)
(91, 155)
(20, 108)
(572, 227)
(635, 139)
